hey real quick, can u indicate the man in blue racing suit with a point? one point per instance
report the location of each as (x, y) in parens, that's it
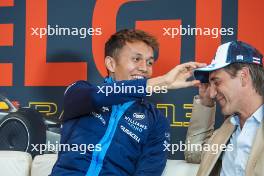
(123, 134)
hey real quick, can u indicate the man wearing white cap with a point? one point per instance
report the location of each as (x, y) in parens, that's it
(236, 82)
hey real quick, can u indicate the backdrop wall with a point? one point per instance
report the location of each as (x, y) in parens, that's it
(46, 45)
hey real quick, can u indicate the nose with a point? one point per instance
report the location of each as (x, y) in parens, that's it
(142, 66)
(213, 91)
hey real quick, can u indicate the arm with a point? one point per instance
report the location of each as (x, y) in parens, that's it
(154, 156)
(200, 130)
(201, 124)
(82, 97)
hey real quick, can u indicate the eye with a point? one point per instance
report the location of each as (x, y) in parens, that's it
(136, 59)
(150, 62)
(217, 82)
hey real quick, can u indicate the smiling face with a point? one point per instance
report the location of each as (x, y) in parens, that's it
(226, 90)
(133, 61)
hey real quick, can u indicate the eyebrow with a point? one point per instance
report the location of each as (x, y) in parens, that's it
(151, 58)
(213, 79)
(140, 55)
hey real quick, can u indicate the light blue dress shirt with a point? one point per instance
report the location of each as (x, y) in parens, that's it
(234, 162)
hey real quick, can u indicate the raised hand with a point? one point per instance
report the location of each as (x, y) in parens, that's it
(204, 95)
(177, 77)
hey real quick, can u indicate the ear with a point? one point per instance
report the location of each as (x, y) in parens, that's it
(110, 64)
(245, 76)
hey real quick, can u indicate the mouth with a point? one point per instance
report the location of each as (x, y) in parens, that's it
(134, 77)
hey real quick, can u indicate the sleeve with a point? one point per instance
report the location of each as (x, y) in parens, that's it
(201, 128)
(82, 97)
(154, 154)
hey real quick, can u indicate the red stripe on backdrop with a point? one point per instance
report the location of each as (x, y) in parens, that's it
(37, 71)
(6, 69)
(6, 34)
(208, 15)
(6, 74)
(250, 23)
(6, 3)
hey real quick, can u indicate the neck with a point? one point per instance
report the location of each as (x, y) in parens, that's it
(112, 76)
(249, 106)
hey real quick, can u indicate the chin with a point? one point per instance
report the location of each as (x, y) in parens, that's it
(224, 111)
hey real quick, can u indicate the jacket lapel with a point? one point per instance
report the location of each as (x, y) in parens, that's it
(221, 136)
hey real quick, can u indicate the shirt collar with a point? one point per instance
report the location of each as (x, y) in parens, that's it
(257, 115)
(234, 120)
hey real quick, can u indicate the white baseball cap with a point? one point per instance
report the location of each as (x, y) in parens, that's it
(228, 53)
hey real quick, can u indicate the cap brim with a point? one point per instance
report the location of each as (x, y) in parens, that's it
(202, 74)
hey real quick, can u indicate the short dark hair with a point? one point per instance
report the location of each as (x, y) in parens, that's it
(256, 72)
(119, 39)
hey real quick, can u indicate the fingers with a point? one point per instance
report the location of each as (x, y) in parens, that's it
(196, 83)
(189, 66)
(186, 84)
(176, 78)
(187, 75)
(199, 65)
(204, 86)
(192, 83)
(193, 65)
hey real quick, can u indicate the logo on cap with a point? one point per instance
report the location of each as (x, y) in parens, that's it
(256, 60)
(239, 57)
